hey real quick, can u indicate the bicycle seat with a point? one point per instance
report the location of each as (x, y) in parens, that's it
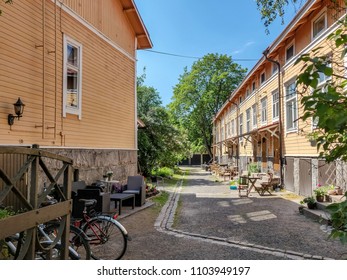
(88, 202)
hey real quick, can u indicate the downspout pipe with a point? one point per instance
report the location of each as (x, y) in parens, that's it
(265, 53)
(237, 133)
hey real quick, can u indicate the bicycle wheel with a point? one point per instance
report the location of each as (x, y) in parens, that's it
(107, 238)
(79, 248)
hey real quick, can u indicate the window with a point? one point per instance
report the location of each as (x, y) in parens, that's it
(253, 86)
(264, 110)
(240, 99)
(290, 52)
(248, 93)
(72, 77)
(232, 128)
(241, 124)
(319, 24)
(274, 68)
(254, 115)
(222, 131)
(275, 105)
(291, 107)
(248, 120)
(322, 87)
(262, 78)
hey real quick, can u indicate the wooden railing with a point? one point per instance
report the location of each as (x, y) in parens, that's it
(34, 168)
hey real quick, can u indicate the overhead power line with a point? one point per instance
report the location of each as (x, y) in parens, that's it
(195, 57)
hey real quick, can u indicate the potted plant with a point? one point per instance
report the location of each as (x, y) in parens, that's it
(109, 174)
(310, 201)
(320, 192)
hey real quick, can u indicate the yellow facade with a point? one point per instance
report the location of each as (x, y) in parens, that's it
(73, 65)
(261, 142)
(31, 52)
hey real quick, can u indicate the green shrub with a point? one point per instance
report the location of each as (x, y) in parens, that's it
(163, 172)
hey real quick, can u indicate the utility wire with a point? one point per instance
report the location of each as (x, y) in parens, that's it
(195, 57)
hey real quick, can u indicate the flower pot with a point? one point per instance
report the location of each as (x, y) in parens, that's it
(320, 198)
(311, 205)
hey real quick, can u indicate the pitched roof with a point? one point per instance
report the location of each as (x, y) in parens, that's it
(141, 33)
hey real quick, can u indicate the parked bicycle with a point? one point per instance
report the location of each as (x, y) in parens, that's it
(107, 237)
(48, 245)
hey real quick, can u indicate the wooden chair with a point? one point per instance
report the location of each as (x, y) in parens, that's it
(243, 186)
(227, 173)
(267, 184)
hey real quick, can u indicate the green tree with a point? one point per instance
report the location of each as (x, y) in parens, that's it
(272, 9)
(160, 143)
(200, 93)
(326, 105)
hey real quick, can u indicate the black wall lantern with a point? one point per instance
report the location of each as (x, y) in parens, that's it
(18, 109)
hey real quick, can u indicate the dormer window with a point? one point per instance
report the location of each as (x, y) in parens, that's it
(319, 24)
(262, 78)
(290, 52)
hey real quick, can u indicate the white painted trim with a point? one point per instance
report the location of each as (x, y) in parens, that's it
(67, 110)
(93, 29)
(322, 13)
(135, 98)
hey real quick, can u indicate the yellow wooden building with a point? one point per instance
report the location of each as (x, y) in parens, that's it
(261, 123)
(73, 64)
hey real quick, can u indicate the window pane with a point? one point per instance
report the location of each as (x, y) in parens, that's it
(318, 26)
(290, 91)
(72, 88)
(290, 52)
(72, 54)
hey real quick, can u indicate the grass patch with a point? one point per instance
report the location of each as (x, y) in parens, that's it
(160, 199)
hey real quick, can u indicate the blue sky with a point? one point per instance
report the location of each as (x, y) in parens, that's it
(194, 28)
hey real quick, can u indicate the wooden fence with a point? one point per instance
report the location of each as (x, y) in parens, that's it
(29, 199)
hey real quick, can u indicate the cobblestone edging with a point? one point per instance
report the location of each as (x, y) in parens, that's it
(164, 223)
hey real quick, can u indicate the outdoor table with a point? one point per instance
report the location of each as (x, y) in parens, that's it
(119, 197)
(109, 184)
(252, 180)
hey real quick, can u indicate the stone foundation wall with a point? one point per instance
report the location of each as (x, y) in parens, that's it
(93, 164)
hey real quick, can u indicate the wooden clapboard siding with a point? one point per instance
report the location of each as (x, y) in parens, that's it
(108, 17)
(295, 142)
(31, 44)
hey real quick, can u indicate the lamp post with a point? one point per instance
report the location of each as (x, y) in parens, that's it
(265, 53)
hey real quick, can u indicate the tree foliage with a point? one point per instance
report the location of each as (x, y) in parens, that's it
(326, 103)
(272, 9)
(160, 143)
(200, 93)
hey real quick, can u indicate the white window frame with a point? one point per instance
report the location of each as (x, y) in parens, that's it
(232, 127)
(275, 105)
(263, 74)
(248, 120)
(254, 86)
(274, 68)
(316, 19)
(254, 116)
(323, 80)
(69, 109)
(293, 110)
(240, 124)
(291, 44)
(263, 113)
(248, 92)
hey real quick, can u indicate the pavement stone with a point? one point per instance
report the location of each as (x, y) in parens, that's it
(212, 222)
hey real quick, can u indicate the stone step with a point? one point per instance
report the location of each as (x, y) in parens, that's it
(317, 215)
(320, 214)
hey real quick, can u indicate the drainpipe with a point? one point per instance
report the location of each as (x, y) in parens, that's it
(237, 134)
(265, 53)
